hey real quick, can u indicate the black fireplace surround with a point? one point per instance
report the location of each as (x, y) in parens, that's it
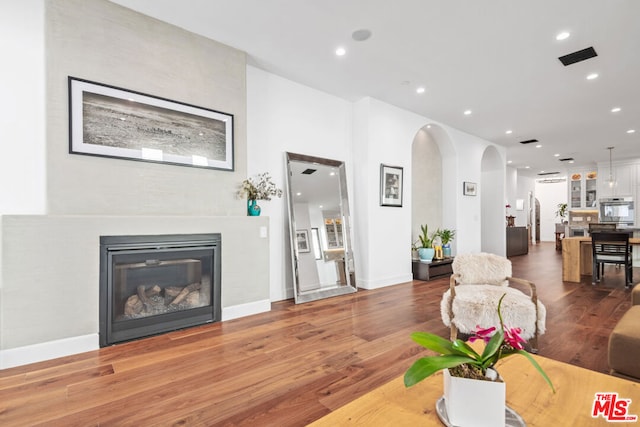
(157, 283)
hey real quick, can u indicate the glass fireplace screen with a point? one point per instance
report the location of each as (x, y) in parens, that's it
(154, 284)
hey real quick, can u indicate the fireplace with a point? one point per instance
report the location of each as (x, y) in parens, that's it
(155, 284)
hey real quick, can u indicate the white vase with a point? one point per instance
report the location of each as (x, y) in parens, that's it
(474, 402)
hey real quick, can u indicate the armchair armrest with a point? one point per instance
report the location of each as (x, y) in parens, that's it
(532, 288)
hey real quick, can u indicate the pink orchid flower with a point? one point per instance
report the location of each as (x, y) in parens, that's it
(513, 338)
(482, 334)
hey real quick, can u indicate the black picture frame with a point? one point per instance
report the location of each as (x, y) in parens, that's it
(391, 184)
(469, 188)
(302, 241)
(109, 121)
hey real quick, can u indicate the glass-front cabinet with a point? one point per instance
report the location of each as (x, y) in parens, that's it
(583, 190)
(575, 190)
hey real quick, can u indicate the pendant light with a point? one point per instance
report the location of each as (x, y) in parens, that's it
(612, 182)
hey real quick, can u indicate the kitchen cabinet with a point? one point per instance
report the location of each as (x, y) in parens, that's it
(517, 241)
(625, 177)
(583, 190)
(333, 227)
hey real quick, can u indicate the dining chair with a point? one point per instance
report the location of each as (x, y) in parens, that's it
(611, 248)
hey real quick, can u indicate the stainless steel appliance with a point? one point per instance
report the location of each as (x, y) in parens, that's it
(618, 210)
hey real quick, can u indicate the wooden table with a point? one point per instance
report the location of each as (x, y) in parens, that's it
(577, 258)
(527, 393)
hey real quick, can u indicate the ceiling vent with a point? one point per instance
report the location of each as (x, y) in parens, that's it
(308, 171)
(529, 141)
(567, 159)
(578, 56)
(547, 173)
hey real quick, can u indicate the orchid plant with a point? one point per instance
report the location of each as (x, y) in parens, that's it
(463, 360)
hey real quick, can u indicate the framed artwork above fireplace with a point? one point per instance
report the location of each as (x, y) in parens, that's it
(113, 122)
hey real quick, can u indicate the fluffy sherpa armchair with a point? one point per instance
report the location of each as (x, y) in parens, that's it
(476, 285)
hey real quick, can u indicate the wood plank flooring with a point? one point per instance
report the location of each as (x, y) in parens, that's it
(294, 364)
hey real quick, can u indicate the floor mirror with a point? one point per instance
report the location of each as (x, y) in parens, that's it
(320, 228)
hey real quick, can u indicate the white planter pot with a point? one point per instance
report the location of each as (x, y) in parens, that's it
(474, 402)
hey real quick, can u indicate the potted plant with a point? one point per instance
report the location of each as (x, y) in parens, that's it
(259, 188)
(425, 250)
(446, 236)
(461, 364)
(562, 211)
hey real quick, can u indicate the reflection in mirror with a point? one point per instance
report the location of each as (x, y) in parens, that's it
(320, 228)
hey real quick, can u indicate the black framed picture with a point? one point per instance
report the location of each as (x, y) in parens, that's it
(469, 188)
(302, 240)
(113, 122)
(390, 185)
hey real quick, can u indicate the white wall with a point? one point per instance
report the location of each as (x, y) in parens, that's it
(550, 195)
(285, 116)
(22, 114)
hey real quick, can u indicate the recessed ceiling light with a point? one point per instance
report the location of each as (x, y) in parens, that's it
(420, 90)
(572, 161)
(509, 132)
(509, 161)
(556, 155)
(541, 171)
(341, 51)
(563, 35)
(592, 76)
(467, 112)
(539, 146)
(527, 167)
(631, 131)
(616, 109)
(428, 126)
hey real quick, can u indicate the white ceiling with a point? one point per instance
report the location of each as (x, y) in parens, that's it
(498, 58)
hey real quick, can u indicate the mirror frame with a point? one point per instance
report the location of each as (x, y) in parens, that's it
(350, 287)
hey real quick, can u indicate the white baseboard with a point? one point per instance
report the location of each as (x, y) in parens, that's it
(65, 347)
(242, 310)
(383, 283)
(48, 350)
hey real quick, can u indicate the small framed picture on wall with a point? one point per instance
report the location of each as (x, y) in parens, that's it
(302, 239)
(469, 188)
(390, 186)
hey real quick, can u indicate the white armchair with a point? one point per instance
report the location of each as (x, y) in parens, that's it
(475, 287)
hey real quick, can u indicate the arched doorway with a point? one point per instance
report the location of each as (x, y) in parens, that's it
(433, 181)
(492, 192)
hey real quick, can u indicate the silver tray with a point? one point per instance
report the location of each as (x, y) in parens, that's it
(512, 419)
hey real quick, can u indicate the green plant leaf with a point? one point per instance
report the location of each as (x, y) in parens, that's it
(493, 346)
(464, 348)
(434, 342)
(427, 366)
(538, 367)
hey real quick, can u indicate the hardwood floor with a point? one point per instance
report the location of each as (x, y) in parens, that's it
(294, 364)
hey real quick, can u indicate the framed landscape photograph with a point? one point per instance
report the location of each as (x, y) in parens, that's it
(390, 185)
(114, 122)
(302, 240)
(469, 188)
